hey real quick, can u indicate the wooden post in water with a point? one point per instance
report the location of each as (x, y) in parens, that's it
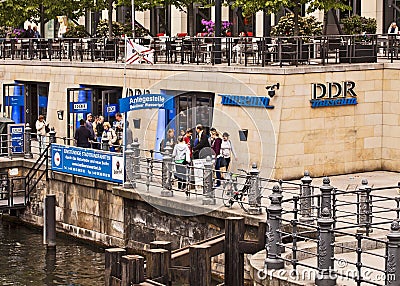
(113, 264)
(200, 265)
(234, 259)
(157, 264)
(132, 270)
(49, 227)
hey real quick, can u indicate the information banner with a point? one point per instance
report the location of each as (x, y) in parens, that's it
(16, 100)
(90, 163)
(77, 107)
(16, 132)
(144, 101)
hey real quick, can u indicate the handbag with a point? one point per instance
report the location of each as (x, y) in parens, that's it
(47, 128)
(223, 162)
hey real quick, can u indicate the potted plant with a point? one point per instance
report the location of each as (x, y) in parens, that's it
(361, 46)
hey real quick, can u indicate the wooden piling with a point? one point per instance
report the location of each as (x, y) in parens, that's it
(132, 270)
(234, 259)
(200, 265)
(113, 258)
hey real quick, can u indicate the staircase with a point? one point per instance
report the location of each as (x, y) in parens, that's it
(15, 192)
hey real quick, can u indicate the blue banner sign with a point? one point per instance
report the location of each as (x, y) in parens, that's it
(247, 101)
(16, 132)
(17, 100)
(90, 163)
(80, 107)
(110, 110)
(144, 101)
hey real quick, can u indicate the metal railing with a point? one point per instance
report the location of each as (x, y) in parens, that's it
(247, 51)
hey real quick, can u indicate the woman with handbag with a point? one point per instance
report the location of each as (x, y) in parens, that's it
(41, 128)
(181, 155)
(227, 150)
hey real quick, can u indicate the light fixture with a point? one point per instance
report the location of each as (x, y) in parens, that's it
(271, 89)
(243, 134)
(60, 114)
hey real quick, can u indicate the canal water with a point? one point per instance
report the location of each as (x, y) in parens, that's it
(24, 260)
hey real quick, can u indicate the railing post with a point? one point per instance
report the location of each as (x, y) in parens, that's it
(113, 264)
(364, 215)
(132, 270)
(200, 265)
(274, 237)
(306, 199)
(393, 255)
(234, 259)
(28, 140)
(166, 173)
(326, 194)
(208, 190)
(105, 145)
(325, 276)
(49, 227)
(129, 178)
(254, 191)
(136, 158)
(52, 136)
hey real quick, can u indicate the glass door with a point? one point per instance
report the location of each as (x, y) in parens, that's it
(14, 102)
(79, 104)
(109, 104)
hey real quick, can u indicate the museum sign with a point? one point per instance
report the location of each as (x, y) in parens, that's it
(333, 94)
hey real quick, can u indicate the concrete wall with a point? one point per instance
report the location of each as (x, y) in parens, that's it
(327, 140)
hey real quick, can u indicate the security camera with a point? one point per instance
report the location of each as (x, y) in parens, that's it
(271, 89)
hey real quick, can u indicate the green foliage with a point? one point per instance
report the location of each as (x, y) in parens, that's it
(77, 31)
(355, 25)
(308, 26)
(119, 29)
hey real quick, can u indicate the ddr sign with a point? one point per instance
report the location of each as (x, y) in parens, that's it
(87, 162)
(145, 101)
(333, 94)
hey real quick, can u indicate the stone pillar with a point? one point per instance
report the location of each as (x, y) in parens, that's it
(113, 264)
(306, 211)
(129, 178)
(325, 276)
(274, 237)
(365, 208)
(208, 190)
(136, 158)
(166, 173)
(254, 191)
(393, 255)
(104, 144)
(27, 146)
(326, 194)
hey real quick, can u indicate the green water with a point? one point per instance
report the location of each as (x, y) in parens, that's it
(24, 260)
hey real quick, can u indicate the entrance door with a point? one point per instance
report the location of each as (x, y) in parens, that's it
(79, 104)
(194, 108)
(14, 102)
(109, 104)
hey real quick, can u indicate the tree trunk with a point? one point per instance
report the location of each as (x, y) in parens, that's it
(325, 23)
(296, 12)
(110, 11)
(335, 17)
(190, 11)
(42, 21)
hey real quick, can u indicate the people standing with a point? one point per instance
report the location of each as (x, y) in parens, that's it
(181, 155)
(29, 33)
(202, 141)
(99, 129)
(118, 126)
(89, 124)
(170, 138)
(188, 140)
(226, 150)
(110, 134)
(41, 132)
(393, 29)
(83, 135)
(216, 147)
(36, 33)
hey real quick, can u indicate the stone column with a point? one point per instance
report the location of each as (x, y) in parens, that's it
(306, 211)
(208, 190)
(52, 136)
(136, 158)
(393, 255)
(365, 209)
(166, 173)
(27, 146)
(129, 178)
(254, 191)
(326, 194)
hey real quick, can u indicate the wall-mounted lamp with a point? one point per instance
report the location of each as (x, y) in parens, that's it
(271, 89)
(243, 134)
(60, 114)
(136, 123)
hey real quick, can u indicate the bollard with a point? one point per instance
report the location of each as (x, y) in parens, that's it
(166, 173)
(234, 258)
(326, 194)
(113, 258)
(365, 209)
(136, 158)
(208, 190)
(274, 237)
(156, 264)
(393, 255)
(129, 178)
(200, 265)
(306, 211)
(52, 136)
(28, 140)
(132, 270)
(104, 144)
(325, 276)
(254, 191)
(49, 228)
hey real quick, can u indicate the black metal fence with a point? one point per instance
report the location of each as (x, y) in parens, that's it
(247, 51)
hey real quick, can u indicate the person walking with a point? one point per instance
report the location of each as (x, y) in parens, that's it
(202, 141)
(83, 135)
(226, 151)
(216, 142)
(181, 155)
(41, 127)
